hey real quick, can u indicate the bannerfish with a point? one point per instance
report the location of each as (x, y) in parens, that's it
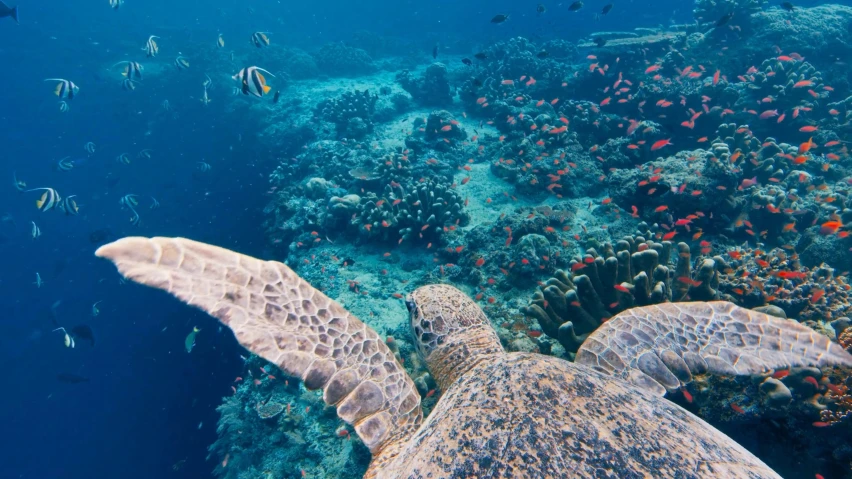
(5, 11)
(69, 206)
(49, 200)
(115, 4)
(260, 39)
(65, 89)
(69, 340)
(19, 185)
(151, 48)
(71, 378)
(132, 70)
(181, 63)
(189, 343)
(220, 42)
(252, 81)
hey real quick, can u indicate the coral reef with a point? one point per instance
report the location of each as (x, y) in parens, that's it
(273, 427)
(350, 112)
(712, 10)
(635, 272)
(338, 59)
(432, 89)
(411, 212)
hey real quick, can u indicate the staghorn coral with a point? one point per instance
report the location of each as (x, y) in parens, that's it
(350, 112)
(411, 212)
(636, 272)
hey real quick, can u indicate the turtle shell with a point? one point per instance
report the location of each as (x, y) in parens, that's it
(533, 416)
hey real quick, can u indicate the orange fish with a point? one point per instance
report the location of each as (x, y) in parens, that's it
(660, 144)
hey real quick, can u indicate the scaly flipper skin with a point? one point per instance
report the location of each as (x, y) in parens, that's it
(660, 347)
(280, 317)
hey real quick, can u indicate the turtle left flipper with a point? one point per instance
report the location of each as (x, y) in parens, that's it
(660, 347)
(280, 317)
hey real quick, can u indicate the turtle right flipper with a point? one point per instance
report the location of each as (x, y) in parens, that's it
(659, 347)
(280, 317)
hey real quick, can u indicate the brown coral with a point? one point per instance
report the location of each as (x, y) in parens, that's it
(637, 272)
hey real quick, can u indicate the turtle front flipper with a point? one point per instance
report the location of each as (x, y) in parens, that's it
(660, 347)
(277, 315)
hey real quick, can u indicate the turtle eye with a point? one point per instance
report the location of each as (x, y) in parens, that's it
(409, 305)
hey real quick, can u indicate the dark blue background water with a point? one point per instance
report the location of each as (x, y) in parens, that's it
(140, 412)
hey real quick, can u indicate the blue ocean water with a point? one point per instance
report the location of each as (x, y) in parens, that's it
(146, 405)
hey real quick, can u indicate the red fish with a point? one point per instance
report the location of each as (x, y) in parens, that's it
(660, 144)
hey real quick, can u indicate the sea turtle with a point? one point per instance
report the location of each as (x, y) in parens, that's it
(501, 414)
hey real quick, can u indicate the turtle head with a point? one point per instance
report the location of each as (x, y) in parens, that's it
(451, 331)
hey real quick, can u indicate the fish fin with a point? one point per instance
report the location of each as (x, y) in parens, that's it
(276, 315)
(57, 89)
(659, 348)
(266, 88)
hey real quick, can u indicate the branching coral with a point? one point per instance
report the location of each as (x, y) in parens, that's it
(413, 212)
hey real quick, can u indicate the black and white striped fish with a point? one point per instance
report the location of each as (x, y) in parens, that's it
(151, 48)
(65, 164)
(181, 63)
(115, 4)
(252, 81)
(128, 84)
(49, 200)
(260, 39)
(132, 70)
(65, 89)
(220, 42)
(69, 206)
